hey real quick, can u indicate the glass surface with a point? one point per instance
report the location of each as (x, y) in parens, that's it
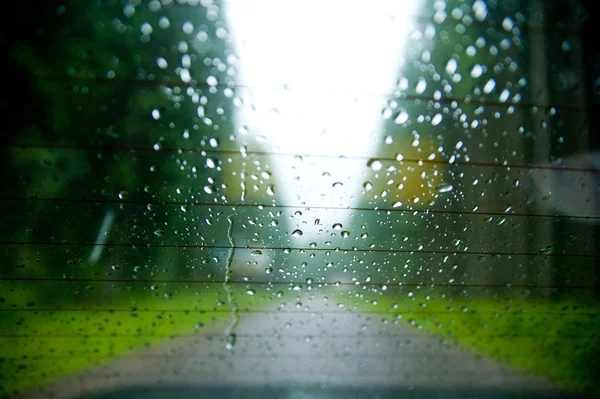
(301, 199)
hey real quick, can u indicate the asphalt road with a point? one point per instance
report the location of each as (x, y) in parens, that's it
(318, 353)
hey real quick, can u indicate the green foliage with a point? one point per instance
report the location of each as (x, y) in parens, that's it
(555, 339)
(39, 346)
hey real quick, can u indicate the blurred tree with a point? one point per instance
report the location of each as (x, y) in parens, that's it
(116, 89)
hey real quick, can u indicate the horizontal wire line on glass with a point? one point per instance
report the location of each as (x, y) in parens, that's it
(303, 249)
(400, 97)
(455, 163)
(316, 284)
(243, 335)
(156, 202)
(343, 310)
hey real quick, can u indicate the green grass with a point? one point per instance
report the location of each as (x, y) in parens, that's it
(37, 346)
(556, 339)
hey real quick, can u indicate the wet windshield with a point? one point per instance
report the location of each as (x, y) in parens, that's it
(300, 199)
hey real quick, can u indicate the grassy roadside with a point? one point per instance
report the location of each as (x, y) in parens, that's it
(37, 346)
(555, 339)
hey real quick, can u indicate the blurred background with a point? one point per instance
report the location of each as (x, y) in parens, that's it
(300, 199)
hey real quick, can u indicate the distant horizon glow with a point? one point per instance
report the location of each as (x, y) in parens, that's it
(314, 79)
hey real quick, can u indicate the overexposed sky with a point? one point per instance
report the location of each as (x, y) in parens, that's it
(313, 75)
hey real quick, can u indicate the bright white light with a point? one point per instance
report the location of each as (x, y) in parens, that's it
(314, 77)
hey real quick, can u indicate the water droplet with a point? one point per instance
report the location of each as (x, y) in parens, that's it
(309, 280)
(123, 195)
(251, 292)
(231, 339)
(402, 117)
(271, 189)
(375, 164)
(451, 66)
(337, 226)
(508, 24)
(297, 233)
(209, 189)
(265, 175)
(345, 234)
(212, 81)
(547, 250)
(489, 86)
(338, 184)
(159, 232)
(444, 188)
(436, 120)
(368, 186)
(211, 162)
(477, 71)
(386, 113)
(116, 267)
(421, 86)
(397, 204)
(256, 252)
